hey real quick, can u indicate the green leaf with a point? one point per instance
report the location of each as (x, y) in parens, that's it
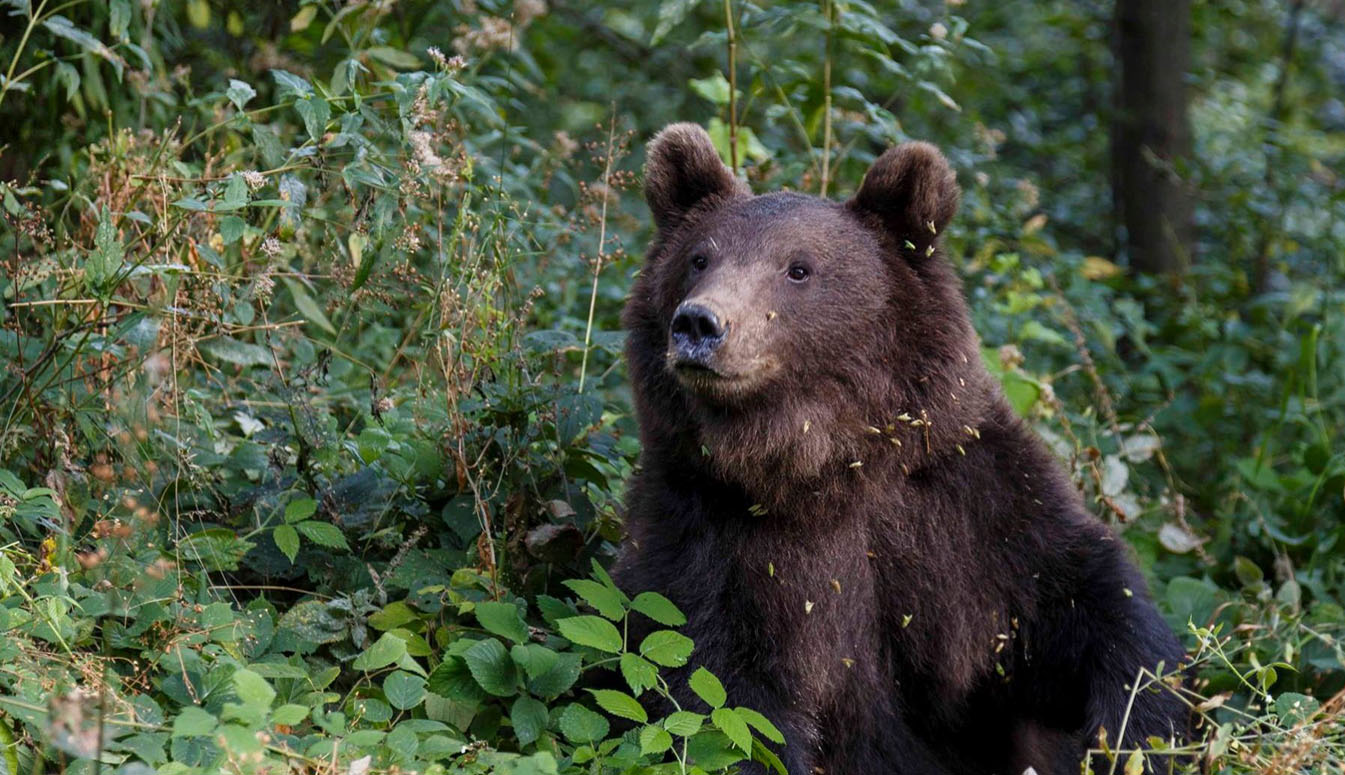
(290, 83)
(394, 57)
(619, 704)
(761, 724)
(393, 615)
(639, 673)
(659, 608)
(193, 722)
(230, 350)
(604, 599)
(654, 740)
(581, 725)
(403, 690)
(384, 651)
(323, 534)
(231, 229)
(287, 541)
(557, 680)
(64, 28)
(670, 14)
(316, 113)
(707, 687)
(529, 717)
(713, 750)
(239, 92)
(503, 619)
(307, 307)
(591, 631)
(684, 723)
(289, 714)
(300, 509)
(453, 679)
(492, 668)
(732, 725)
(1294, 709)
(252, 689)
(534, 658)
(108, 253)
(715, 88)
(666, 648)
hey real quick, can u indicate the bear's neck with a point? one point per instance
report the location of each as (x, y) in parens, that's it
(831, 439)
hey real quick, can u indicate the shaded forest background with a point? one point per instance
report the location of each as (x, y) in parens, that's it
(313, 425)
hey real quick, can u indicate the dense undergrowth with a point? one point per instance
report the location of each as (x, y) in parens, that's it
(314, 425)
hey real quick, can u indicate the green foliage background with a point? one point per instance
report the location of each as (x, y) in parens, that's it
(313, 426)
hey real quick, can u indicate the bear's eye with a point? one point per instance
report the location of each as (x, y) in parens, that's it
(798, 273)
(699, 262)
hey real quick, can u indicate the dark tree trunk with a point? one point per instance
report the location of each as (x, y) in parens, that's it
(1151, 133)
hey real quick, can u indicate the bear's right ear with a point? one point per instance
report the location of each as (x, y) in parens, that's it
(912, 192)
(682, 169)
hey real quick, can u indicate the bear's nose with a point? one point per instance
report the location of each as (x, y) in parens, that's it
(696, 330)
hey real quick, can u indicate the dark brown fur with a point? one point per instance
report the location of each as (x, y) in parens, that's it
(870, 547)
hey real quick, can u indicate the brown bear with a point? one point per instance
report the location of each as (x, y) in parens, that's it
(870, 547)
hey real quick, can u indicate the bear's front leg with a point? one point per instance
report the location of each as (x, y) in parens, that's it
(1093, 652)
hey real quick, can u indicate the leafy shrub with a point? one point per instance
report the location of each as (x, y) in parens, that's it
(314, 424)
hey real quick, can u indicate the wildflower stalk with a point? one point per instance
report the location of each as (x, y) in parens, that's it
(602, 241)
(828, 10)
(733, 85)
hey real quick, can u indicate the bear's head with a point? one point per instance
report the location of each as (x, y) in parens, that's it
(781, 334)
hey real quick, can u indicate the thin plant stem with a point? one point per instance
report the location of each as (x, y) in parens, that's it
(828, 10)
(733, 84)
(602, 241)
(33, 21)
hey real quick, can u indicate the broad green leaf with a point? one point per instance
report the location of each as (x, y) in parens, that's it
(731, 724)
(529, 717)
(666, 648)
(403, 690)
(323, 534)
(384, 651)
(707, 687)
(308, 307)
(591, 631)
(287, 541)
(559, 678)
(654, 740)
(761, 724)
(289, 714)
(658, 608)
(300, 509)
(315, 112)
(639, 673)
(713, 750)
(619, 704)
(534, 658)
(670, 14)
(232, 228)
(239, 92)
(683, 723)
(291, 84)
(492, 668)
(503, 619)
(108, 253)
(581, 725)
(193, 722)
(230, 350)
(252, 689)
(604, 599)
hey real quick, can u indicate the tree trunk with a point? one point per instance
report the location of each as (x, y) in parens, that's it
(1151, 133)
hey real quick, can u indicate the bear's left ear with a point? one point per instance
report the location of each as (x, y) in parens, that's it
(912, 192)
(683, 170)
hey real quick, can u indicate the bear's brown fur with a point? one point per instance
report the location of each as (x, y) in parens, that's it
(870, 547)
